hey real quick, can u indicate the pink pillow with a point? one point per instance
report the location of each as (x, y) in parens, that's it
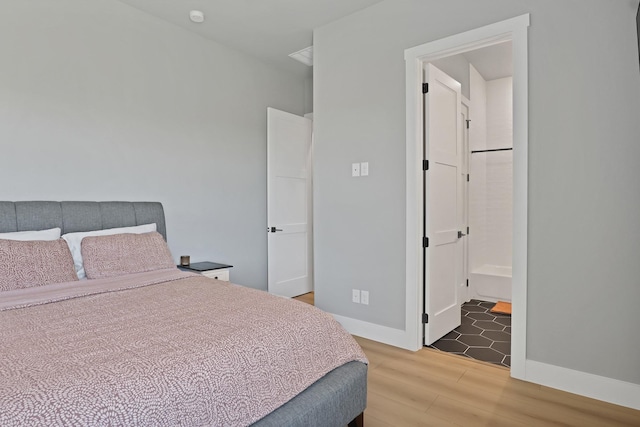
(120, 254)
(25, 264)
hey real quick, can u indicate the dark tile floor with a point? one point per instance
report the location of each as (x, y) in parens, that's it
(482, 335)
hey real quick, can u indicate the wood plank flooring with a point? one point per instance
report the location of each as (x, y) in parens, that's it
(432, 388)
(308, 298)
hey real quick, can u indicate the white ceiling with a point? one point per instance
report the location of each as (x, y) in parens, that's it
(267, 29)
(492, 62)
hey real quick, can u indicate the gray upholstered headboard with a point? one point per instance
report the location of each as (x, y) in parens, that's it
(79, 216)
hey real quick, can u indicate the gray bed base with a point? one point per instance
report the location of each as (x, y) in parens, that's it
(337, 399)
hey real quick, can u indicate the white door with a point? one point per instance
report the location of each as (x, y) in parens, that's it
(443, 144)
(463, 207)
(289, 203)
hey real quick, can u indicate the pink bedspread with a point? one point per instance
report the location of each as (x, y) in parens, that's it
(179, 349)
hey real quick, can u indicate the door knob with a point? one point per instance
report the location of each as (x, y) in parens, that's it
(461, 234)
(273, 229)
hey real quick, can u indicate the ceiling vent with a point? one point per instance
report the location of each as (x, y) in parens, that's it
(305, 56)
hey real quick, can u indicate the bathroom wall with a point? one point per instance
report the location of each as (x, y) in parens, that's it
(477, 170)
(499, 173)
(490, 188)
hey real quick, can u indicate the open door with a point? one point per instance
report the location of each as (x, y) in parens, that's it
(443, 149)
(290, 255)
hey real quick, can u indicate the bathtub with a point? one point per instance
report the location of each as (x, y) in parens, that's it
(491, 283)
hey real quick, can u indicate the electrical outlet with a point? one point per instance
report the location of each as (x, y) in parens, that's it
(364, 297)
(355, 169)
(355, 296)
(364, 169)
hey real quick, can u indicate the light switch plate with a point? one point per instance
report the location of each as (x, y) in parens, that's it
(355, 169)
(355, 296)
(364, 297)
(364, 169)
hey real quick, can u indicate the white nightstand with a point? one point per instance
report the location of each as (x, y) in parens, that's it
(209, 269)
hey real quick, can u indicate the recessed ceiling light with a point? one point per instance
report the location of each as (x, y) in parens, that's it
(305, 56)
(196, 16)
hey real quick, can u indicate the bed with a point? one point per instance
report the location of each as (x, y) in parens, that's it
(142, 343)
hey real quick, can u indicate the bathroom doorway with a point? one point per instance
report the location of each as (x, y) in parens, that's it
(483, 257)
(419, 262)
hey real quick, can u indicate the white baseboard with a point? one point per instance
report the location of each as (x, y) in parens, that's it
(602, 388)
(371, 331)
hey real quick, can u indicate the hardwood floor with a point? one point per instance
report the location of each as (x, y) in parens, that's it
(433, 388)
(308, 298)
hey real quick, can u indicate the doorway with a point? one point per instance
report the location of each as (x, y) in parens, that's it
(515, 30)
(484, 190)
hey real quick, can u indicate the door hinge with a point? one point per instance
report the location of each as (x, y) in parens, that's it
(467, 231)
(425, 242)
(425, 87)
(468, 121)
(467, 283)
(468, 178)
(425, 318)
(425, 165)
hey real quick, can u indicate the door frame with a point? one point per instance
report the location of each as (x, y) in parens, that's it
(466, 152)
(516, 30)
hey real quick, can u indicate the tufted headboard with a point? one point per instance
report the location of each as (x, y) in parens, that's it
(79, 216)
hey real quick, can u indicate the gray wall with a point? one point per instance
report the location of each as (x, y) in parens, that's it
(308, 95)
(584, 233)
(99, 101)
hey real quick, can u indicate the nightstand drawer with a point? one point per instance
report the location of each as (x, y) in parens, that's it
(221, 274)
(213, 270)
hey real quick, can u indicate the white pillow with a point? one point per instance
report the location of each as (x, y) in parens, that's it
(51, 234)
(74, 240)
